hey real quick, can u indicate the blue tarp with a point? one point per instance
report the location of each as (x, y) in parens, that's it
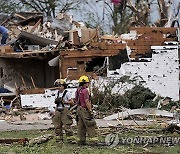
(4, 90)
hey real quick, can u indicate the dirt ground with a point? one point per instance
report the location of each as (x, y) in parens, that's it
(46, 124)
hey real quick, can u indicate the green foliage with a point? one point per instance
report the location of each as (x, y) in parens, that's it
(136, 97)
(106, 99)
(166, 107)
(139, 96)
(152, 104)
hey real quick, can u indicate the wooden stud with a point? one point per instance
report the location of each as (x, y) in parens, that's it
(23, 82)
(20, 16)
(35, 26)
(21, 48)
(33, 83)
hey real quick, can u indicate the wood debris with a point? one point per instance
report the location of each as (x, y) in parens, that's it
(10, 141)
(40, 139)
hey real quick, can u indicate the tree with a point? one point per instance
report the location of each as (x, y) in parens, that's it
(122, 14)
(125, 13)
(93, 15)
(118, 16)
(51, 7)
(48, 7)
(8, 7)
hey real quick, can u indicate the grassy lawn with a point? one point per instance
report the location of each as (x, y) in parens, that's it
(51, 147)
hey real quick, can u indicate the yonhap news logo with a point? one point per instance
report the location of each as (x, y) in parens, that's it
(113, 140)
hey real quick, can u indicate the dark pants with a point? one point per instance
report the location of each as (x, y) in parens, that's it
(4, 38)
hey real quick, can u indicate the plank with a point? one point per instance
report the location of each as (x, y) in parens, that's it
(9, 141)
(33, 91)
(144, 42)
(89, 53)
(20, 16)
(35, 26)
(106, 46)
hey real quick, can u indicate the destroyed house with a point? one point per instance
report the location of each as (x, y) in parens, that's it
(24, 59)
(75, 63)
(127, 47)
(74, 50)
(150, 53)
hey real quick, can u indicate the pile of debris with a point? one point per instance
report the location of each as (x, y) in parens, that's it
(33, 32)
(82, 51)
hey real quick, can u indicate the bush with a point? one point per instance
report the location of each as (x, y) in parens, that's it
(134, 98)
(139, 96)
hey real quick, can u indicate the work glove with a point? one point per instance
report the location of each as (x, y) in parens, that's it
(91, 114)
(57, 100)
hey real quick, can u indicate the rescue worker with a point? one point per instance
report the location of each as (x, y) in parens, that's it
(4, 33)
(62, 117)
(86, 122)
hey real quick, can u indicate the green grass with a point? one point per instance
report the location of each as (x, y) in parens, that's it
(51, 147)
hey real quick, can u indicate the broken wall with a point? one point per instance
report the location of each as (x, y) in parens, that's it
(73, 64)
(11, 71)
(160, 74)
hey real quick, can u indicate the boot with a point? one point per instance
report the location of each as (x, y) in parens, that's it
(81, 143)
(71, 139)
(93, 141)
(59, 139)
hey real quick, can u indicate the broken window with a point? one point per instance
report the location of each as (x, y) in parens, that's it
(97, 66)
(116, 61)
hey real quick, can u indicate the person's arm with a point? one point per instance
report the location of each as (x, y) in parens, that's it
(88, 104)
(69, 99)
(87, 101)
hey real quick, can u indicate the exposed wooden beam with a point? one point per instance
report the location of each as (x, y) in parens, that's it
(88, 53)
(35, 26)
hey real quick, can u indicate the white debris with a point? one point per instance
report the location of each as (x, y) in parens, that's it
(161, 74)
(143, 111)
(42, 100)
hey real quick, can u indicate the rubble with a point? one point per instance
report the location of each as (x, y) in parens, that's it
(172, 128)
(9, 141)
(31, 31)
(41, 139)
(143, 111)
(40, 51)
(34, 38)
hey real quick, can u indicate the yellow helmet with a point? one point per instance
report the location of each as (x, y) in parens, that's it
(83, 78)
(60, 82)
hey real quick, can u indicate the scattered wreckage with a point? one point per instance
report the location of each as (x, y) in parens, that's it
(40, 51)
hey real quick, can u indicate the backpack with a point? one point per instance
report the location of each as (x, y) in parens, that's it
(59, 100)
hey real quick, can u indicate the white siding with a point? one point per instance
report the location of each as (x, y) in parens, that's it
(42, 100)
(161, 74)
